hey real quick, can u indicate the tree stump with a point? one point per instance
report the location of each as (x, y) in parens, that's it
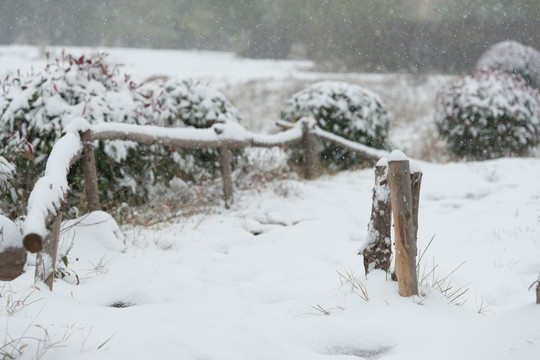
(416, 183)
(378, 252)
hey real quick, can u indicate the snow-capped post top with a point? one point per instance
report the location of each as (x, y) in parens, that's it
(77, 125)
(397, 155)
(415, 167)
(383, 162)
(309, 121)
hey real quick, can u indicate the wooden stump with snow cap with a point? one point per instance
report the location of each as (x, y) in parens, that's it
(12, 254)
(402, 202)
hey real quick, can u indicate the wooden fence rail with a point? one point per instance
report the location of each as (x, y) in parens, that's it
(41, 227)
(42, 224)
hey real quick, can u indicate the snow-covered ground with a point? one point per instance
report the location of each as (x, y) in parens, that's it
(277, 275)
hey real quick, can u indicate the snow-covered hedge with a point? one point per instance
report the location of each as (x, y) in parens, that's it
(515, 58)
(488, 115)
(6, 173)
(346, 110)
(39, 105)
(188, 103)
(36, 107)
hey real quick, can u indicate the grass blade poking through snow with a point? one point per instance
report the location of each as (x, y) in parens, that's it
(355, 286)
(443, 283)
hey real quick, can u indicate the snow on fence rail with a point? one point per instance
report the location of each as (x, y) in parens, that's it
(42, 225)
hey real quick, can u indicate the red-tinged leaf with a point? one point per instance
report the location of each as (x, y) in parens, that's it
(146, 105)
(20, 134)
(55, 88)
(80, 60)
(30, 149)
(27, 155)
(84, 109)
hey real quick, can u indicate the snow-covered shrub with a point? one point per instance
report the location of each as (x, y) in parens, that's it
(188, 103)
(346, 110)
(258, 166)
(6, 173)
(36, 107)
(513, 57)
(488, 115)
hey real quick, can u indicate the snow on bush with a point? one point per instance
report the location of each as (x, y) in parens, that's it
(261, 165)
(515, 58)
(346, 110)
(36, 107)
(6, 173)
(188, 103)
(39, 105)
(488, 115)
(10, 234)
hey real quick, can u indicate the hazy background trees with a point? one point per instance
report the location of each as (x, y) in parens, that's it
(365, 35)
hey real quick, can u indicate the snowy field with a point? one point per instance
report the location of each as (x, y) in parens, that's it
(277, 275)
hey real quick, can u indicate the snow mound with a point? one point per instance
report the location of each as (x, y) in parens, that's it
(10, 234)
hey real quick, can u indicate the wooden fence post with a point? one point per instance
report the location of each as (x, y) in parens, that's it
(46, 259)
(378, 252)
(416, 182)
(226, 174)
(90, 173)
(312, 160)
(399, 179)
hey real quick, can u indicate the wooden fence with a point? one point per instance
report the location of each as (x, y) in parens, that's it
(42, 225)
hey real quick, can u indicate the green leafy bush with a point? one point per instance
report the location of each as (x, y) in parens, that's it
(488, 115)
(513, 57)
(346, 110)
